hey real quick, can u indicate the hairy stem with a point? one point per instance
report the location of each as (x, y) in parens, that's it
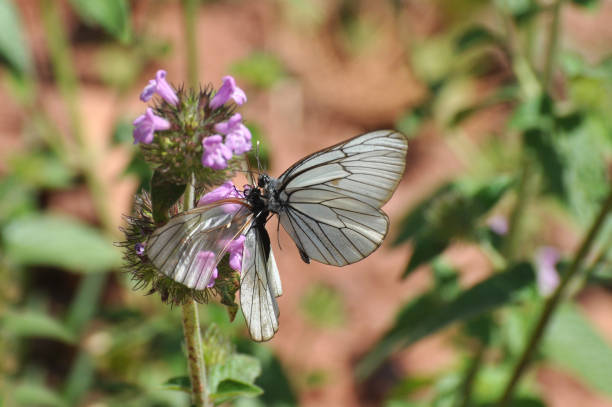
(553, 301)
(193, 336)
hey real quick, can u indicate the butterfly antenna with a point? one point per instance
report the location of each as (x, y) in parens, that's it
(257, 156)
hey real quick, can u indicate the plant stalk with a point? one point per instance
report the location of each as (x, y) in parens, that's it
(553, 41)
(553, 301)
(190, 15)
(193, 336)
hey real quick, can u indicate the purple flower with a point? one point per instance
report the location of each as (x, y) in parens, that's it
(498, 224)
(227, 190)
(146, 124)
(160, 86)
(235, 249)
(546, 272)
(228, 91)
(237, 135)
(139, 248)
(216, 154)
(206, 260)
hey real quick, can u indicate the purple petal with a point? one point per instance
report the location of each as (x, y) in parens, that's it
(547, 276)
(148, 91)
(498, 224)
(228, 90)
(164, 89)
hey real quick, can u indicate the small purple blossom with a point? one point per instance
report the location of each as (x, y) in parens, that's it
(235, 249)
(227, 190)
(546, 271)
(227, 91)
(206, 261)
(146, 124)
(237, 135)
(139, 248)
(498, 224)
(216, 154)
(160, 86)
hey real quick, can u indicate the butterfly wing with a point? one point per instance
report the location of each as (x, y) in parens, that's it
(174, 247)
(259, 285)
(332, 198)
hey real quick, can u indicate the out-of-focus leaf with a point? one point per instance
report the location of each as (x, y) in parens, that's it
(505, 94)
(59, 241)
(521, 10)
(181, 383)
(278, 390)
(119, 66)
(536, 112)
(586, 3)
(548, 157)
(475, 36)
(429, 314)
(238, 367)
(36, 324)
(323, 306)
(425, 247)
(415, 220)
(34, 394)
(14, 50)
(230, 389)
(164, 194)
(260, 69)
(15, 199)
(41, 170)
(572, 342)
(112, 15)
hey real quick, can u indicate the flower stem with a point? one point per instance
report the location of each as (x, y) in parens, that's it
(193, 336)
(554, 300)
(553, 41)
(190, 14)
(195, 355)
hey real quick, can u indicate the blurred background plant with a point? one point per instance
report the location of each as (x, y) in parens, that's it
(507, 103)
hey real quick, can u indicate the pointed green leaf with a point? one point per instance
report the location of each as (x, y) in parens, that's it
(60, 241)
(180, 383)
(260, 69)
(36, 324)
(14, 50)
(428, 313)
(572, 342)
(34, 394)
(475, 36)
(112, 15)
(229, 389)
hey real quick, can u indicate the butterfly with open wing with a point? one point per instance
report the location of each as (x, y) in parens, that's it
(328, 202)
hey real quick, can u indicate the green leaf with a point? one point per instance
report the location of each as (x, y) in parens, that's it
(426, 247)
(16, 199)
(475, 36)
(259, 69)
(551, 163)
(586, 3)
(112, 15)
(415, 220)
(181, 383)
(34, 394)
(428, 313)
(238, 367)
(14, 50)
(229, 389)
(59, 241)
(36, 324)
(41, 170)
(164, 194)
(572, 343)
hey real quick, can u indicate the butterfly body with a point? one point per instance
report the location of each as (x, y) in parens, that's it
(328, 202)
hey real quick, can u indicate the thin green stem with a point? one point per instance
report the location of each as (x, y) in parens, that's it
(470, 376)
(190, 15)
(193, 336)
(553, 41)
(553, 301)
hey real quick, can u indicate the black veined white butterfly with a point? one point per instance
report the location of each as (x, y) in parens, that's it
(328, 202)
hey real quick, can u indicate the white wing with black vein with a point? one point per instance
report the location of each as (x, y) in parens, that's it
(259, 285)
(332, 198)
(367, 167)
(174, 247)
